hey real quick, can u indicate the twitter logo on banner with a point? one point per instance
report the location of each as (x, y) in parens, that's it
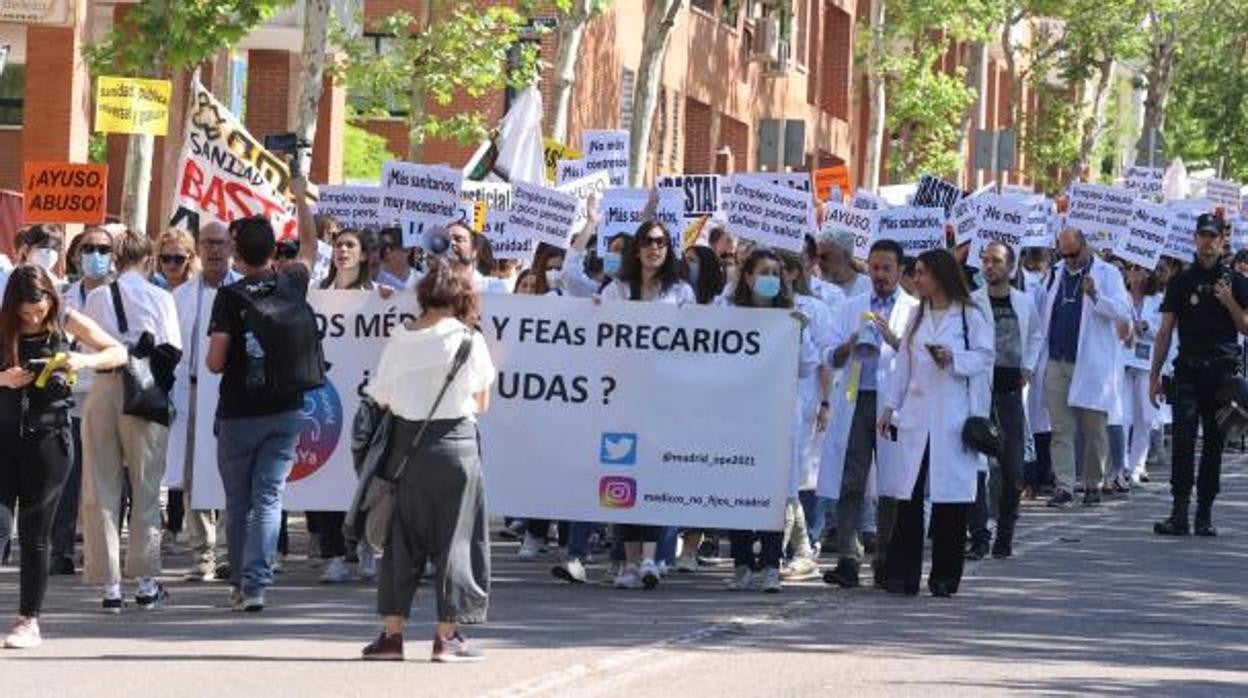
(618, 449)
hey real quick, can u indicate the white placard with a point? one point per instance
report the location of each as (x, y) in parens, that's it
(965, 220)
(916, 228)
(1181, 240)
(496, 195)
(1146, 181)
(419, 197)
(771, 215)
(507, 242)
(700, 193)
(581, 380)
(1039, 223)
(355, 325)
(607, 151)
(1224, 193)
(546, 214)
(998, 219)
(583, 189)
(1102, 214)
(867, 201)
(1146, 241)
(838, 218)
(791, 180)
(568, 170)
(352, 206)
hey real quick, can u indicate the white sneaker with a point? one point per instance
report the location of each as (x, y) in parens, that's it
(742, 576)
(530, 548)
(254, 604)
(649, 574)
(337, 572)
(614, 569)
(800, 568)
(771, 580)
(687, 564)
(572, 571)
(24, 635)
(367, 568)
(203, 571)
(662, 567)
(628, 579)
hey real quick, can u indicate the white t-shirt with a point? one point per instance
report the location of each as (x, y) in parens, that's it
(679, 292)
(147, 306)
(413, 367)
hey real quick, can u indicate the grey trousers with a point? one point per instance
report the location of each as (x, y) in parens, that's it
(859, 454)
(1066, 421)
(439, 517)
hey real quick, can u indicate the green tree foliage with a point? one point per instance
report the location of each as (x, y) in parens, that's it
(363, 154)
(463, 52)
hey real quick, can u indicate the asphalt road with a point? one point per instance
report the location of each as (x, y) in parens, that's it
(1092, 605)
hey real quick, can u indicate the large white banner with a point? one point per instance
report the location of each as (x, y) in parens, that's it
(355, 325)
(628, 412)
(225, 174)
(581, 424)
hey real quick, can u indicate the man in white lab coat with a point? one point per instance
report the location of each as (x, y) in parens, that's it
(1085, 301)
(865, 337)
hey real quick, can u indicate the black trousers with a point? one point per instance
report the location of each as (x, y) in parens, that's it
(65, 526)
(905, 552)
(1006, 473)
(1195, 405)
(327, 525)
(33, 471)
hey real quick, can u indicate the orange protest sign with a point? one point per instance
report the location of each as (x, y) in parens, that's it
(828, 177)
(63, 192)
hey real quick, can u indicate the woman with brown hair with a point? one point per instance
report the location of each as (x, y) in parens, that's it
(434, 393)
(35, 397)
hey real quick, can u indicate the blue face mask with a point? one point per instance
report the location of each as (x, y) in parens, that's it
(766, 287)
(611, 263)
(95, 265)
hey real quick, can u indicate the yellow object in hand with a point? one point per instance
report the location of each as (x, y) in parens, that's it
(54, 364)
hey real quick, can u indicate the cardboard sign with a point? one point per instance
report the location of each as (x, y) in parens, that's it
(700, 192)
(508, 243)
(622, 211)
(132, 105)
(568, 170)
(1146, 181)
(916, 228)
(1039, 223)
(419, 198)
(224, 173)
(1181, 235)
(1102, 214)
(771, 215)
(863, 224)
(352, 206)
(608, 151)
(548, 215)
(62, 192)
(584, 188)
(790, 180)
(965, 221)
(553, 152)
(828, 177)
(867, 201)
(998, 219)
(495, 195)
(936, 192)
(1145, 242)
(1223, 193)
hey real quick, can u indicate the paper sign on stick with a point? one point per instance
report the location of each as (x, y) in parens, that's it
(546, 214)
(916, 228)
(132, 105)
(352, 206)
(772, 215)
(419, 197)
(61, 192)
(1146, 238)
(608, 150)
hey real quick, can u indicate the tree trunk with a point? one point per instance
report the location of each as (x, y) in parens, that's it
(571, 31)
(969, 120)
(1158, 77)
(138, 183)
(315, 47)
(659, 23)
(1094, 122)
(876, 98)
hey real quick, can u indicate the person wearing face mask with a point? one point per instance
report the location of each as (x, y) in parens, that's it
(577, 279)
(836, 262)
(1085, 301)
(193, 301)
(41, 246)
(548, 269)
(865, 339)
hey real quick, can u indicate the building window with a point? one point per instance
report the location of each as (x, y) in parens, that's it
(363, 103)
(12, 94)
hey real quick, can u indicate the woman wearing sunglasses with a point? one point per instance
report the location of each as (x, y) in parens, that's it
(175, 259)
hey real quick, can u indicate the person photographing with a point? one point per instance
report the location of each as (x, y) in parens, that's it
(1206, 303)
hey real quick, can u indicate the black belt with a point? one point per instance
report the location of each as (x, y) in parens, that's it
(105, 371)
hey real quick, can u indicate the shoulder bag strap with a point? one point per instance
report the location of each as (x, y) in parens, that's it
(461, 357)
(122, 326)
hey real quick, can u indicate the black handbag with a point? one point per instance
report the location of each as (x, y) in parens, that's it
(147, 376)
(979, 434)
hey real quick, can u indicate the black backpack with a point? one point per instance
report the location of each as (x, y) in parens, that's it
(278, 314)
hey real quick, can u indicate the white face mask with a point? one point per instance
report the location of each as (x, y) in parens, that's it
(554, 278)
(45, 257)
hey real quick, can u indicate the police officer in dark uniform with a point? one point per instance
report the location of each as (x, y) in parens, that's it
(1207, 302)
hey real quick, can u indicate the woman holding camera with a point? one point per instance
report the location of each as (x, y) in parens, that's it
(35, 397)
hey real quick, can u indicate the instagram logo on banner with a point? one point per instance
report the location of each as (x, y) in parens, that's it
(617, 492)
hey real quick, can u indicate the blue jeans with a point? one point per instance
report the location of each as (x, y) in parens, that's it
(666, 550)
(578, 539)
(816, 509)
(254, 456)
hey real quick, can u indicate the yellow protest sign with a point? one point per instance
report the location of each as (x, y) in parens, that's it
(554, 152)
(132, 105)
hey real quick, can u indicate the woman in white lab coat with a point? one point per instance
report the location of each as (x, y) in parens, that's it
(942, 377)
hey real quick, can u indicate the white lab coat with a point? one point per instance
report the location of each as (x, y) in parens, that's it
(930, 404)
(809, 361)
(817, 336)
(1098, 358)
(836, 441)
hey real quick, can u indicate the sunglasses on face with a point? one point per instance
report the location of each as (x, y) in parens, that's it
(174, 259)
(655, 242)
(96, 249)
